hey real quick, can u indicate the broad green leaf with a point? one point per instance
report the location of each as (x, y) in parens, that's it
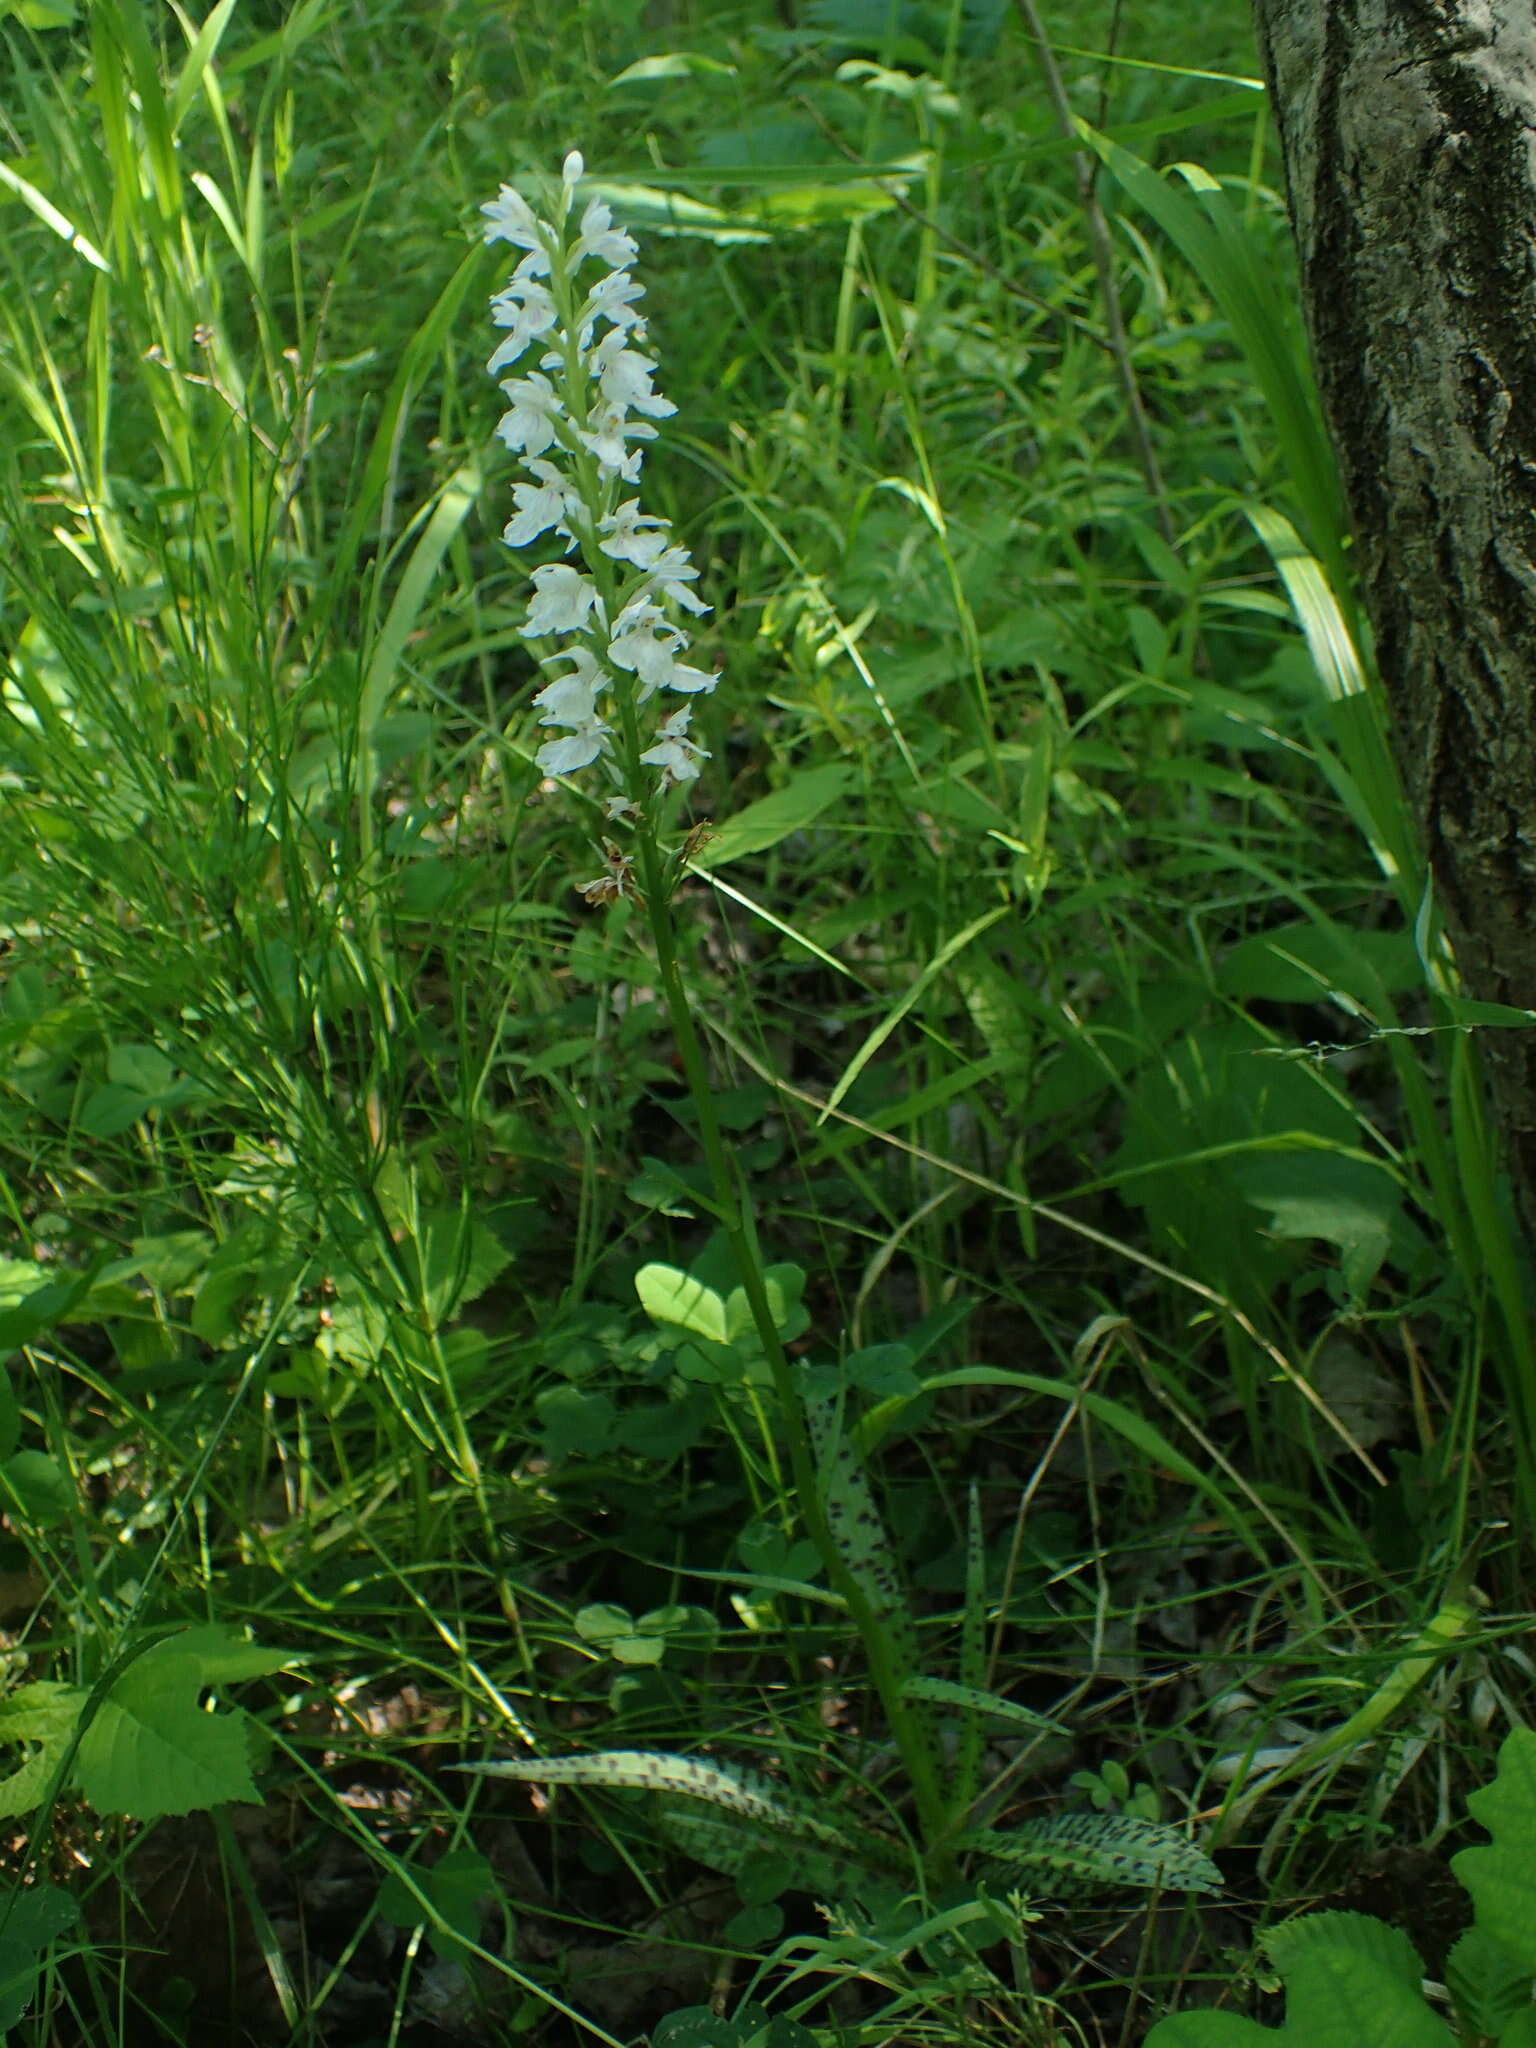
(26, 1311)
(672, 64)
(668, 1296)
(150, 1749)
(40, 1718)
(35, 1490)
(1350, 1982)
(1305, 962)
(143, 1067)
(801, 801)
(459, 1259)
(29, 1921)
(1501, 1876)
(1345, 1202)
(696, 2026)
(573, 1420)
(1488, 1985)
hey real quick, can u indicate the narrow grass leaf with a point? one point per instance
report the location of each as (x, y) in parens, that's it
(1125, 1422)
(920, 986)
(1238, 271)
(977, 1700)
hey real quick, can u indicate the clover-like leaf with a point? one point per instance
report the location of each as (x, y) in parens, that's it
(457, 1885)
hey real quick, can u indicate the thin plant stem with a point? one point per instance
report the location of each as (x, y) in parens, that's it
(733, 1211)
(1104, 267)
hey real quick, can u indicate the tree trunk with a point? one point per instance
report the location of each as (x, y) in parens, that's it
(1409, 134)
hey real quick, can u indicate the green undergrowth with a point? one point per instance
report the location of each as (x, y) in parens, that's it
(462, 1579)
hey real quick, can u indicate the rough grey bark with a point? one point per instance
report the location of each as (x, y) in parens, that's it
(1409, 134)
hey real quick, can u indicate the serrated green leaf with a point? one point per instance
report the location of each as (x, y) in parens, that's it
(1488, 1985)
(226, 1656)
(1350, 1982)
(151, 1749)
(1502, 1875)
(42, 1717)
(29, 1921)
(459, 1259)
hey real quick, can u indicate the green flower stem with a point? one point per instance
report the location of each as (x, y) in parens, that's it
(736, 1221)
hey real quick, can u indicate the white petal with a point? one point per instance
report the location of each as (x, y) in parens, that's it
(579, 750)
(509, 218)
(563, 600)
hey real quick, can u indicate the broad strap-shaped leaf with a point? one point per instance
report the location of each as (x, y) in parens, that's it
(739, 1848)
(855, 1526)
(1070, 1853)
(456, 1885)
(753, 1798)
(965, 1778)
(949, 1692)
(869, 1557)
(1501, 1876)
(857, 1530)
